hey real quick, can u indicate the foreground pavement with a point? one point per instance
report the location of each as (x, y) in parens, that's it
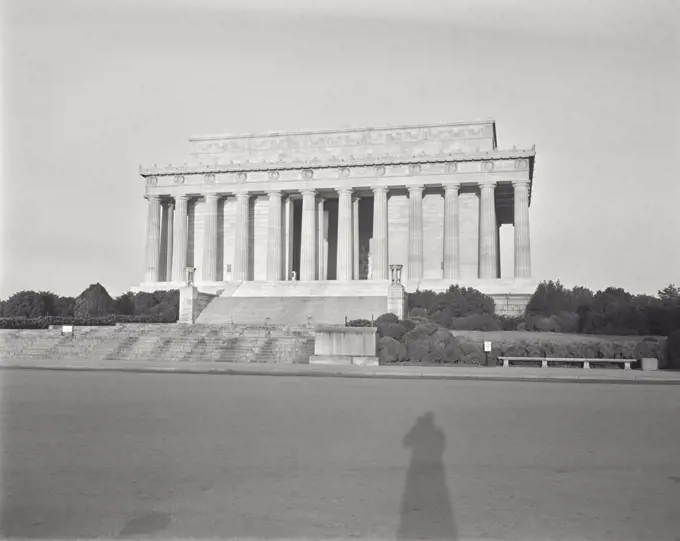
(579, 375)
(96, 454)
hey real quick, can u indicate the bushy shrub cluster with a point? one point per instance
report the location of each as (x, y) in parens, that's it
(417, 341)
(93, 307)
(612, 311)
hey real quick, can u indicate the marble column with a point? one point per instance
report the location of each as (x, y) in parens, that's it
(153, 240)
(288, 238)
(488, 245)
(320, 239)
(451, 231)
(415, 233)
(180, 238)
(522, 239)
(345, 235)
(274, 236)
(308, 237)
(380, 255)
(355, 236)
(241, 240)
(210, 238)
(169, 229)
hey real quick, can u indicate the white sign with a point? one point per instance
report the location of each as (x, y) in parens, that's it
(67, 329)
(487, 346)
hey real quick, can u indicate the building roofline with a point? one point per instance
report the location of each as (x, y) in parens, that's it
(344, 130)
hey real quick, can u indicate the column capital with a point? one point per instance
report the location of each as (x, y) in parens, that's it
(379, 189)
(308, 192)
(520, 183)
(153, 198)
(487, 183)
(344, 191)
(452, 186)
(211, 196)
(242, 194)
(182, 197)
(415, 188)
(274, 193)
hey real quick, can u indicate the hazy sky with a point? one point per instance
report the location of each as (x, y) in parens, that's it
(93, 88)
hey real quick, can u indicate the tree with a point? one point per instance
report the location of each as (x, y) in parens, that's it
(95, 301)
(25, 304)
(670, 292)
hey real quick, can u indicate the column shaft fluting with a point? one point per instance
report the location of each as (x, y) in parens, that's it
(345, 235)
(210, 238)
(451, 232)
(380, 255)
(415, 233)
(169, 225)
(488, 245)
(320, 244)
(274, 248)
(241, 240)
(355, 237)
(288, 240)
(522, 238)
(153, 240)
(180, 238)
(308, 237)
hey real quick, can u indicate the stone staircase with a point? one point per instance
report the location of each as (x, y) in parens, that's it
(165, 343)
(291, 310)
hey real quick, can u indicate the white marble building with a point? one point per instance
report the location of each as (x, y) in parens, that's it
(343, 206)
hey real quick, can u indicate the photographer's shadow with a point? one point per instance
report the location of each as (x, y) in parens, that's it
(426, 511)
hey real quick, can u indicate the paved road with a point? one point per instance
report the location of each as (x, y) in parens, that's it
(163, 456)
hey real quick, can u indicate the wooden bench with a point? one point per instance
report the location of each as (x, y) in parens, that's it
(586, 362)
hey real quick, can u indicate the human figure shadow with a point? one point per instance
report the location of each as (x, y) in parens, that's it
(426, 511)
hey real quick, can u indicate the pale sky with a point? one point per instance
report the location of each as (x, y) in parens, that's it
(93, 88)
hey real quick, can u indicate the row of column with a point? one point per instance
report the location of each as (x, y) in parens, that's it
(312, 258)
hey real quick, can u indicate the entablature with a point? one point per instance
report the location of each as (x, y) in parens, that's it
(482, 161)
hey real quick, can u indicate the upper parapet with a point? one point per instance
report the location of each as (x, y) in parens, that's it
(426, 141)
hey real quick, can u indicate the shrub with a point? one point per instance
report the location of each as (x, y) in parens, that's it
(391, 350)
(509, 323)
(359, 323)
(429, 343)
(393, 330)
(476, 322)
(408, 324)
(673, 350)
(45, 321)
(387, 318)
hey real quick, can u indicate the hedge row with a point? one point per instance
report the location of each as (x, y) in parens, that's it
(45, 322)
(420, 341)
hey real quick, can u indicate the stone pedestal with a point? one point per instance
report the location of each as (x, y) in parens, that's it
(191, 303)
(345, 345)
(396, 300)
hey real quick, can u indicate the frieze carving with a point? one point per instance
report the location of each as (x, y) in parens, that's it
(210, 178)
(521, 164)
(451, 167)
(241, 176)
(344, 172)
(487, 166)
(179, 179)
(380, 170)
(152, 181)
(274, 175)
(414, 169)
(307, 174)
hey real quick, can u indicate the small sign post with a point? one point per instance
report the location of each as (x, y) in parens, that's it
(487, 350)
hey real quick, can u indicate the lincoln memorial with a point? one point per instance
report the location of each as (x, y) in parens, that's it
(326, 213)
